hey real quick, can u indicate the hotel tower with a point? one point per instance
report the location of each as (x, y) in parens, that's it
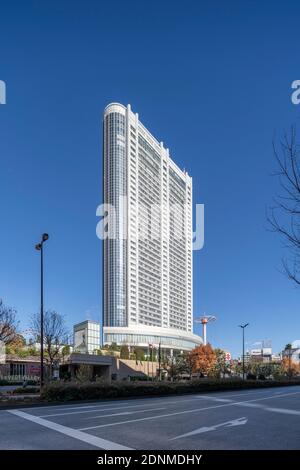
(147, 254)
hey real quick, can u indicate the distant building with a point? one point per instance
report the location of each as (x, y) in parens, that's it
(37, 346)
(86, 336)
(276, 358)
(262, 353)
(20, 368)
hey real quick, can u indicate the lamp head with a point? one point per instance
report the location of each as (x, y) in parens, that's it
(45, 237)
(38, 247)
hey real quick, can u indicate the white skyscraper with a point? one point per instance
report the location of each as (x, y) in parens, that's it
(147, 263)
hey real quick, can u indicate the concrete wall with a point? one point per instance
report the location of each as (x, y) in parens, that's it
(129, 367)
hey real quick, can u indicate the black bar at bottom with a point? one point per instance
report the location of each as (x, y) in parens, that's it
(134, 459)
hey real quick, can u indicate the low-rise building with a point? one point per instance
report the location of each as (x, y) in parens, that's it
(86, 337)
(108, 367)
(20, 368)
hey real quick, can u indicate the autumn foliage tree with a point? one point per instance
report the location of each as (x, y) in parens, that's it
(17, 342)
(289, 367)
(203, 359)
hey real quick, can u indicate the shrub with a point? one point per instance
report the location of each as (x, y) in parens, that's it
(251, 376)
(32, 382)
(138, 378)
(139, 354)
(22, 352)
(95, 390)
(24, 390)
(84, 373)
(124, 352)
(261, 377)
(10, 382)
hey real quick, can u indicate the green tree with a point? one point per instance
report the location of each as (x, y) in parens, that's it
(124, 353)
(114, 347)
(219, 368)
(65, 351)
(21, 352)
(139, 354)
(84, 373)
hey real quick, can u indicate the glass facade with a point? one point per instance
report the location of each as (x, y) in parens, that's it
(115, 187)
(87, 336)
(145, 340)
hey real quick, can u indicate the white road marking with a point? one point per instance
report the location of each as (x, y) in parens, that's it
(68, 408)
(227, 394)
(75, 433)
(224, 400)
(284, 411)
(227, 424)
(124, 413)
(112, 402)
(249, 405)
(72, 407)
(99, 407)
(267, 398)
(192, 397)
(93, 411)
(238, 403)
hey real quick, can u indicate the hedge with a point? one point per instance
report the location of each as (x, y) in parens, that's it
(23, 390)
(17, 382)
(90, 391)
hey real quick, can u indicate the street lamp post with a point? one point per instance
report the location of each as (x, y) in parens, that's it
(39, 247)
(290, 363)
(148, 360)
(243, 328)
(159, 361)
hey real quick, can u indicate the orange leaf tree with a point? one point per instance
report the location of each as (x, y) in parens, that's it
(289, 367)
(203, 359)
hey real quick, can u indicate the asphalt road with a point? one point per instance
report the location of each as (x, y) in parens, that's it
(249, 419)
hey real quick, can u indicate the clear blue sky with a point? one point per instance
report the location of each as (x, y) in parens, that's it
(209, 78)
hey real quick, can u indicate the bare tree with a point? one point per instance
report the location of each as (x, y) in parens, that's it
(8, 323)
(55, 334)
(284, 216)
